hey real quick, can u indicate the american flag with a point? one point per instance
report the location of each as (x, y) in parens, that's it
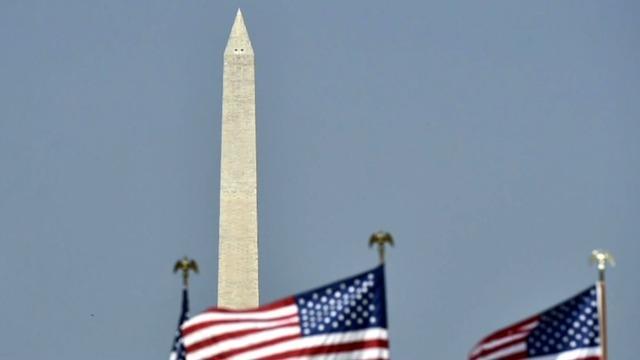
(178, 352)
(567, 331)
(344, 320)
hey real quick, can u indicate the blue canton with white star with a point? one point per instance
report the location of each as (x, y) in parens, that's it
(570, 325)
(355, 303)
(178, 351)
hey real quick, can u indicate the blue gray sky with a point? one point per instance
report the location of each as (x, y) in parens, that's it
(497, 141)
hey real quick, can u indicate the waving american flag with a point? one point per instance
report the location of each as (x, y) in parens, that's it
(567, 331)
(344, 320)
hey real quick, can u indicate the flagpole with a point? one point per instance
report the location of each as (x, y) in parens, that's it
(601, 258)
(185, 265)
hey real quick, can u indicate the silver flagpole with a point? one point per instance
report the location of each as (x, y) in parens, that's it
(601, 258)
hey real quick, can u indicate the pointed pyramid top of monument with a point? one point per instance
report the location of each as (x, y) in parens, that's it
(239, 42)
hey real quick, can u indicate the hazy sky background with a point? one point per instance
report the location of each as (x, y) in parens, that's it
(497, 140)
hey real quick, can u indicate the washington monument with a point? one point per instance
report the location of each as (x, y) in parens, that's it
(238, 238)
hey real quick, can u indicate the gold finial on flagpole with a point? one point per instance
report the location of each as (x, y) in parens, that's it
(186, 265)
(601, 258)
(381, 238)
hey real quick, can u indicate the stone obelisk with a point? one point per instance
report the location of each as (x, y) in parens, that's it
(238, 247)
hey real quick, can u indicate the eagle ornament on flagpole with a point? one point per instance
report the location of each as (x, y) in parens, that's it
(185, 265)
